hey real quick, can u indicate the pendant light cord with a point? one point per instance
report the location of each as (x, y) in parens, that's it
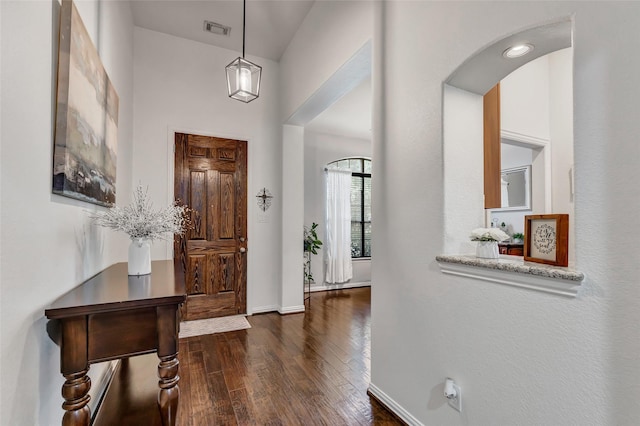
(244, 20)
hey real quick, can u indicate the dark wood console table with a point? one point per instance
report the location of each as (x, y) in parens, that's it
(113, 316)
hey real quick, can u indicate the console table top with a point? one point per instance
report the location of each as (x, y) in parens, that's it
(113, 289)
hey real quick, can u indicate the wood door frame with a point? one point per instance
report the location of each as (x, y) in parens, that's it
(171, 143)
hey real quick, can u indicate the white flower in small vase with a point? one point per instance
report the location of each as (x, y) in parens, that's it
(488, 239)
(143, 224)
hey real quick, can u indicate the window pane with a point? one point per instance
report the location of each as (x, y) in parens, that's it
(356, 165)
(360, 204)
(356, 199)
(367, 166)
(356, 239)
(367, 199)
(367, 239)
(342, 164)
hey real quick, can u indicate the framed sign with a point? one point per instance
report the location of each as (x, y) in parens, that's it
(546, 239)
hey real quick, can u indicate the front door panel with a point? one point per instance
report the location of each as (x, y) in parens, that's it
(210, 178)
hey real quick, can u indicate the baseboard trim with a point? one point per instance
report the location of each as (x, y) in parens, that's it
(301, 308)
(291, 310)
(101, 388)
(342, 286)
(282, 311)
(264, 309)
(392, 406)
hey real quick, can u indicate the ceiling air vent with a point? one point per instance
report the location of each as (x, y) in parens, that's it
(215, 28)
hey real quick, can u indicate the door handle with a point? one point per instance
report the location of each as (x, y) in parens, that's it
(243, 250)
(242, 239)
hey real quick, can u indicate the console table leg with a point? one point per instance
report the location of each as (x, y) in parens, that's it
(169, 392)
(75, 392)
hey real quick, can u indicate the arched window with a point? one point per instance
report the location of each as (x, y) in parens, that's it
(360, 203)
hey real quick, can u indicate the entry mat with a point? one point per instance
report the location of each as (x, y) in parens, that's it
(213, 325)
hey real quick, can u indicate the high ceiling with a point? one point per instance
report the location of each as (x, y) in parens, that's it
(270, 26)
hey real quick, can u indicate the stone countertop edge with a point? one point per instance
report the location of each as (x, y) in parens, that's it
(514, 264)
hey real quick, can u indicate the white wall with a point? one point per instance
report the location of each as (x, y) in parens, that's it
(524, 100)
(332, 35)
(463, 146)
(319, 150)
(514, 156)
(521, 357)
(48, 244)
(180, 85)
(537, 101)
(329, 36)
(561, 130)
(291, 289)
(524, 113)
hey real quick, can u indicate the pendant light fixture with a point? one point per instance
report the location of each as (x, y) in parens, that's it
(243, 77)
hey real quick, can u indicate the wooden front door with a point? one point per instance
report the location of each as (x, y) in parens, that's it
(211, 179)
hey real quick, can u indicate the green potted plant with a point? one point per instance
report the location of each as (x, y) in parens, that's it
(311, 241)
(311, 245)
(517, 237)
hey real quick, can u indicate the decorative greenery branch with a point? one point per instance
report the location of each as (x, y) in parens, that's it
(140, 221)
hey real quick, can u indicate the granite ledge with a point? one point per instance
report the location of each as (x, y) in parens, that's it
(515, 264)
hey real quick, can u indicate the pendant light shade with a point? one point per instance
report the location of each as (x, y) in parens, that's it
(243, 80)
(243, 77)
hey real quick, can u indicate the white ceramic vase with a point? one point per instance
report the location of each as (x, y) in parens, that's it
(487, 250)
(139, 286)
(139, 257)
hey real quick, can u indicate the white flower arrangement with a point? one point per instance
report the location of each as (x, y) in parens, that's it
(140, 221)
(488, 234)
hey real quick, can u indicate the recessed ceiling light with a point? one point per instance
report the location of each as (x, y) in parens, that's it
(517, 50)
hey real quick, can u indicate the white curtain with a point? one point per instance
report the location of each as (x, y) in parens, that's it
(338, 235)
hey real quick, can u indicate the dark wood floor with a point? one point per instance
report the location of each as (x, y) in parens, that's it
(299, 369)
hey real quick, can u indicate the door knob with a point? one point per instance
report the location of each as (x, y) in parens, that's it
(243, 250)
(242, 239)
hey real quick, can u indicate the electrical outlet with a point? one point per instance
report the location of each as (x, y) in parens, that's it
(456, 402)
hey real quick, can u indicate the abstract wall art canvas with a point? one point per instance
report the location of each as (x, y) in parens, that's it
(86, 136)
